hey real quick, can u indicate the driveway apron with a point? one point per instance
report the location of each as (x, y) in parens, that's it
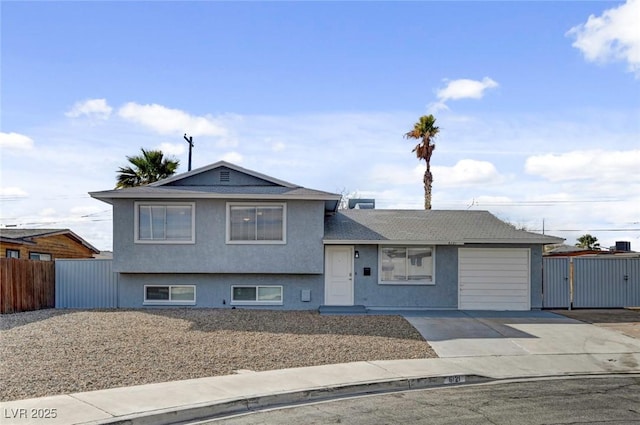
(491, 333)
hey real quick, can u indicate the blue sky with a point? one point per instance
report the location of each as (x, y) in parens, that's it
(538, 103)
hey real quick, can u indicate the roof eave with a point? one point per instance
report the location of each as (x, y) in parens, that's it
(387, 242)
(435, 242)
(545, 240)
(106, 196)
(16, 241)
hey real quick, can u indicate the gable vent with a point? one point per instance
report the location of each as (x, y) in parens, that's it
(224, 176)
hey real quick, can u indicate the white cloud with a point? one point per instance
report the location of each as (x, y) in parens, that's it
(12, 192)
(278, 147)
(165, 120)
(233, 157)
(93, 108)
(47, 212)
(588, 164)
(173, 148)
(15, 142)
(466, 172)
(613, 36)
(465, 89)
(84, 210)
(397, 174)
(460, 89)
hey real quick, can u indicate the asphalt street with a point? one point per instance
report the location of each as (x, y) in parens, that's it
(593, 400)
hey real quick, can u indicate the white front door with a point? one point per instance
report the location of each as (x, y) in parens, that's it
(338, 275)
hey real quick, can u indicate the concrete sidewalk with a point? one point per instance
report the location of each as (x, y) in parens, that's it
(473, 347)
(172, 402)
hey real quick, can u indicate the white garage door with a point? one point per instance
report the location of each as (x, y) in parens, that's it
(494, 279)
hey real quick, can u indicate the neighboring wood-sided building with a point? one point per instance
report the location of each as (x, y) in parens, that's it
(44, 244)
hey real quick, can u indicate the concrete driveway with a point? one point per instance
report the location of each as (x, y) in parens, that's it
(485, 333)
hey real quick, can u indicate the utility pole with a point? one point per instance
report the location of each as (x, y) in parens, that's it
(190, 141)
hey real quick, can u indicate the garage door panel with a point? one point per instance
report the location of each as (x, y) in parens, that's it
(494, 253)
(493, 279)
(490, 286)
(497, 306)
(490, 267)
(498, 277)
(489, 299)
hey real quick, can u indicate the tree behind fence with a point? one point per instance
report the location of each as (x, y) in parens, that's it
(26, 285)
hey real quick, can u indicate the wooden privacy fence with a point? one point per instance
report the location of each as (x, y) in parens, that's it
(26, 285)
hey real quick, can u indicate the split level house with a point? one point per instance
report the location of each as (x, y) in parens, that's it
(224, 236)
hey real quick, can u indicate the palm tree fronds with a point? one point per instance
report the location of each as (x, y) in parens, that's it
(147, 168)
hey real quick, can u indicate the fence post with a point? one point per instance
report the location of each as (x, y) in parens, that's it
(571, 275)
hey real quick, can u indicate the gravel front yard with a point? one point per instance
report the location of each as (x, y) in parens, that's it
(51, 352)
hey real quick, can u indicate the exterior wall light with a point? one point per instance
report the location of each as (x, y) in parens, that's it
(357, 254)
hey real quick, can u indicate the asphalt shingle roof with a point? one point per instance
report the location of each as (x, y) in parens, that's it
(28, 233)
(26, 236)
(434, 226)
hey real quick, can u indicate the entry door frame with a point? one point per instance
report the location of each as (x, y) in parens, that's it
(347, 251)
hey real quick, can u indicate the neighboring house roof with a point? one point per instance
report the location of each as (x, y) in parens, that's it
(259, 187)
(104, 255)
(425, 226)
(26, 236)
(577, 251)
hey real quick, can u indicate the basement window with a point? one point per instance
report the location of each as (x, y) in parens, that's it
(169, 294)
(256, 295)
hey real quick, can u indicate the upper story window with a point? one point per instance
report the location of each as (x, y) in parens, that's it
(165, 222)
(256, 223)
(406, 265)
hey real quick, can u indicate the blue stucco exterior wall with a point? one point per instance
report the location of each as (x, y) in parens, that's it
(302, 253)
(214, 290)
(443, 294)
(233, 178)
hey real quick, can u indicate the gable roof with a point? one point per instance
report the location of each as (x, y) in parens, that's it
(26, 236)
(201, 185)
(437, 227)
(221, 164)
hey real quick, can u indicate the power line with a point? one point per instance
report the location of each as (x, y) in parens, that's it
(585, 230)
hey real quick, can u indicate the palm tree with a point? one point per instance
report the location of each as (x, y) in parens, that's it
(147, 168)
(425, 131)
(589, 242)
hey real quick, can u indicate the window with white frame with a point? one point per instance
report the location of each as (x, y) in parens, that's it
(169, 294)
(257, 294)
(165, 222)
(39, 256)
(256, 223)
(406, 264)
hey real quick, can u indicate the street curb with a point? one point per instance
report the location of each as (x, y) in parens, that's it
(211, 410)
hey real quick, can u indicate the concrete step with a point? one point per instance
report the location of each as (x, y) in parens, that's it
(342, 309)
